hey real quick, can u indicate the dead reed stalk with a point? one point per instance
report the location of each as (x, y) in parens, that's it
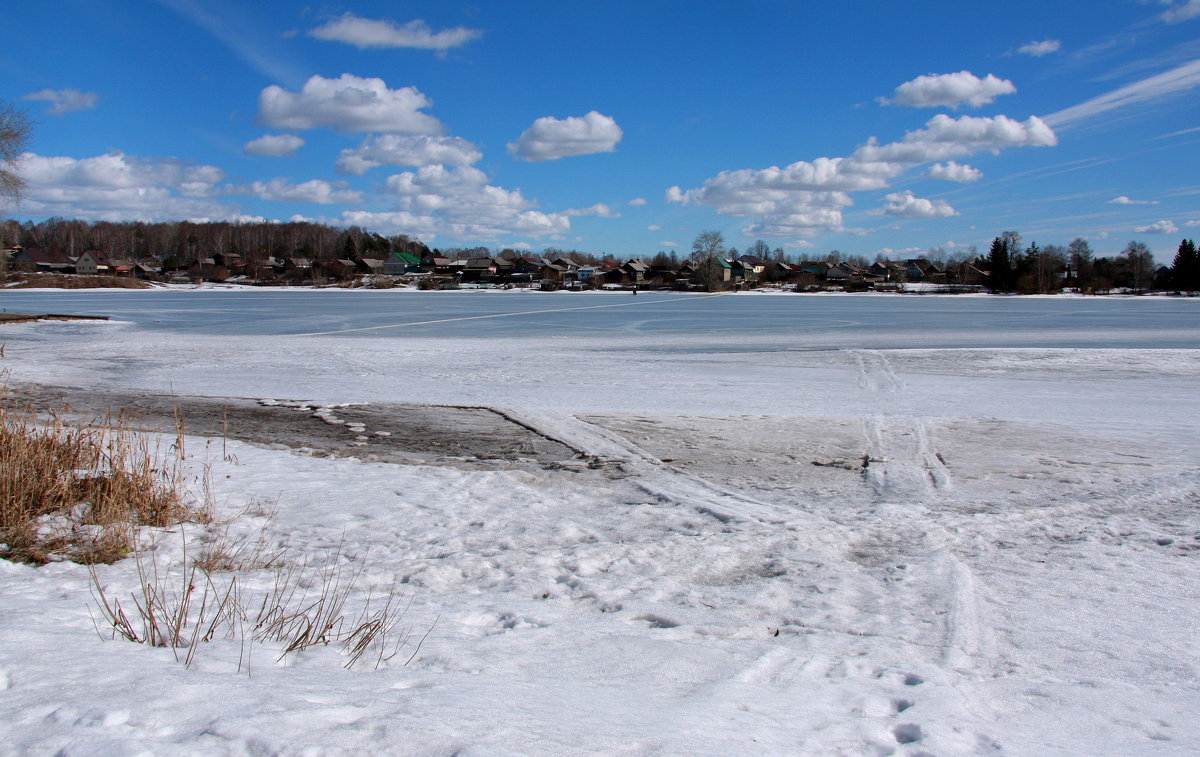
(79, 491)
(185, 606)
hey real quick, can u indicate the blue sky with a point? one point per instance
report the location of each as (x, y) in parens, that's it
(624, 127)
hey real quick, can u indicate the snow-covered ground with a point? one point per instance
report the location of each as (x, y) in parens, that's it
(815, 543)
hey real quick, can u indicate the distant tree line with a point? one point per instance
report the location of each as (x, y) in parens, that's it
(1034, 269)
(1011, 265)
(182, 242)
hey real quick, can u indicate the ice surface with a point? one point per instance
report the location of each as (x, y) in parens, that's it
(944, 526)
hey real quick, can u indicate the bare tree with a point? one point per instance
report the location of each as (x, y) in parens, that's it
(1082, 268)
(759, 249)
(707, 250)
(14, 134)
(1141, 264)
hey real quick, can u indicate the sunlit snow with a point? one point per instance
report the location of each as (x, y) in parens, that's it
(807, 525)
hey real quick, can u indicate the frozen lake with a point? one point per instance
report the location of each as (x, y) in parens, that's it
(745, 322)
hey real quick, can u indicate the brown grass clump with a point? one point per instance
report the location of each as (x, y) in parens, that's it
(185, 605)
(61, 281)
(79, 492)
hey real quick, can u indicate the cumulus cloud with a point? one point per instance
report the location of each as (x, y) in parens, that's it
(1179, 79)
(550, 138)
(952, 171)
(1038, 49)
(276, 145)
(117, 187)
(63, 101)
(365, 33)
(949, 90)
(317, 191)
(599, 209)
(458, 202)
(1191, 224)
(1184, 11)
(402, 150)
(637, 202)
(1158, 227)
(435, 180)
(906, 205)
(347, 104)
(944, 137)
(1124, 200)
(807, 197)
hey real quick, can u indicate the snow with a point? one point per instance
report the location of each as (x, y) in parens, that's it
(964, 543)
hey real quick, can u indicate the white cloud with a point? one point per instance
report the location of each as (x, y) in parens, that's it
(950, 90)
(435, 180)
(806, 198)
(317, 190)
(906, 205)
(400, 150)
(365, 33)
(1124, 200)
(63, 101)
(1038, 49)
(1158, 227)
(668, 244)
(653, 227)
(276, 145)
(347, 104)
(637, 202)
(952, 171)
(458, 202)
(1184, 11)
(783, 211)
(599, 209)
(799, 244)
(945, 137)
(550, 138)
(1178, 79)
(119, 187)
(1191, 224)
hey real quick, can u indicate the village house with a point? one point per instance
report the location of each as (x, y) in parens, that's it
(399, 263)
(32, 260)
(92, 263)
(339, 269)
(207, 269)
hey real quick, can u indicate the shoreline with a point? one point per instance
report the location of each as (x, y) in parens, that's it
(764, 292)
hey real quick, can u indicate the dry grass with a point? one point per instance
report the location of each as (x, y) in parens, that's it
(71, 281)
(223, 551)
(80, 491)
(83, 491)
(184, 606)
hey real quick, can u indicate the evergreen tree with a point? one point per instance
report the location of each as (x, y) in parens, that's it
(1005, 247)
(1185, 269)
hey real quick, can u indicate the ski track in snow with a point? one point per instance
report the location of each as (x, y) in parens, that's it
(903, 469)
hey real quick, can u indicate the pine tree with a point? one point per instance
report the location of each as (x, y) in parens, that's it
(1185, 270)
(1000, 261)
